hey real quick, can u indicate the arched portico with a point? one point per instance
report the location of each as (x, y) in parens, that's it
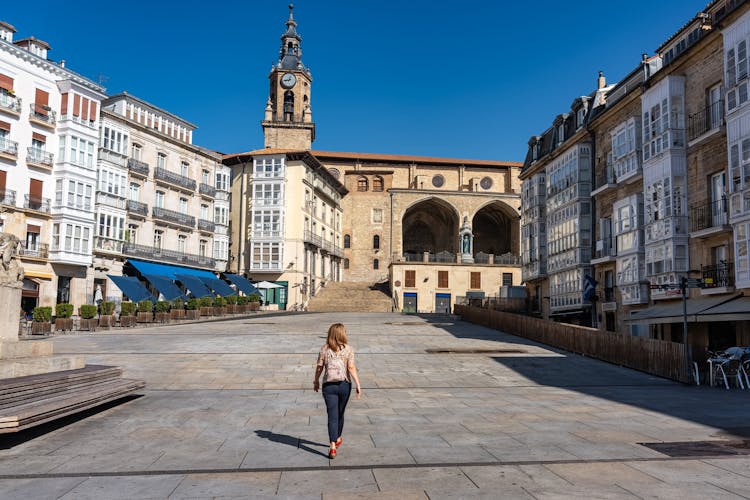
(431, 226)
(495, 229)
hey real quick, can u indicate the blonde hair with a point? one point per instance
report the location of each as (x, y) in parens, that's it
(336, 336)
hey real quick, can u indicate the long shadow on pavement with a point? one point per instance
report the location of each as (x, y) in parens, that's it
(292, 441)
(724, 409)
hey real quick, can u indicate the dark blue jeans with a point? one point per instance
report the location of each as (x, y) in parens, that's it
(336, 395)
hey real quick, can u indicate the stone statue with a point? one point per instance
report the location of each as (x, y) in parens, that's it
(11, 271)
(466, 244)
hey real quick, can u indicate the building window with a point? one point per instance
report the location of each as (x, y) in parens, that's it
(362, 183)
(507, 279)
(269, 167)
(161, 160)
(476, 281)
(410, 279)
(376, 242)
(202, 245)
(183, 205)
(377, 215)
(184, 169)
(438, 181)
(115, 140)
(377, 183)
(111, 226)
(132, 233)
(346, 263)
(442, 279)
(112, 182)
(181, 243)
(347, 241)
(159, 199)
(135, 152)
(204, 211)
(134, 191)
(205, 177)
(158, 235)
(486, 182)
(376, 264)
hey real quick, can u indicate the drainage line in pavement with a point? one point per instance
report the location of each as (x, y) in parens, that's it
(59, 475)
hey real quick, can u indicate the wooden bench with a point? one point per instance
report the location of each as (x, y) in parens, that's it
(36, 399)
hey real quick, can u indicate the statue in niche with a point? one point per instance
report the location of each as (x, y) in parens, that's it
(11, 271)
(466, 244)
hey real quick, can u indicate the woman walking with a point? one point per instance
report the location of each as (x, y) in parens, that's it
(337, 359)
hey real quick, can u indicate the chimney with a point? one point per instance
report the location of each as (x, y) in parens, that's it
(62, 63)
(601, 82)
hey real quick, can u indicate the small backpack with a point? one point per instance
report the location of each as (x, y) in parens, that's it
(336, 365)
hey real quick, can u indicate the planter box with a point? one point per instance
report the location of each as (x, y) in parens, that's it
(145, 317)
(127, 321)
(192, 314)
(177, 314)
(62, 324)
(253, 306)
(162, 317)
(207, 311)
(232, 309)
(220, 311)
(106, 322)
(88, 324)
(41, 327)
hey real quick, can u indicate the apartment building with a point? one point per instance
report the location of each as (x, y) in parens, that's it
(159, 197)
(49, 128)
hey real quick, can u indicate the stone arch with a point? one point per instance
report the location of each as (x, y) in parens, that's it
(495, 226)
(430, 225)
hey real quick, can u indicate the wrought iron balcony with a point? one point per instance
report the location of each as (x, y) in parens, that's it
(173, 216)
(138, 167)
(38, 251)
(163, 255)
(507, 259)
(709, 118)
(207, 189)
(10, 103)
(39, 157)
(718, 276)
(38, 204)
(136, 207)
(708, 215)
(8, 148)
(605, 179)
(165, 175)
(206, 225)
(109, 200)
(8, 197)
(42, 115)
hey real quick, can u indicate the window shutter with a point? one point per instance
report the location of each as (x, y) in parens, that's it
(442, 279)
(38, 137)
(35, 189)
(4, 126)
(41, 101)
(476, 280)
(410, 278)
(6, 82)
(92, 114)
(33, 228)
(64, 104)
(85, 110)
(76, 105)
(2, 182)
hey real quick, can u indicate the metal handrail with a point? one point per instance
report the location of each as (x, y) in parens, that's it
(173, 216)
(9, 147)
(10, 102)
(163, 254)
(709, 118)
(709, 214)
(206, 225)
(38, 204)
(138, 166)
(173, 178)
(42, 113)
(207, 189)
(718, 275)
(137, 207)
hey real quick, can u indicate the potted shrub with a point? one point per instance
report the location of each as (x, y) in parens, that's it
(206, 304)
(242, 304)
(88, 317)
(127, 314)
(253, 302)
(162, 311)
(231, 304)
(177, 309)
(191, 309)
(220, 306)
(41, 320)
(145, 311)
(63, 317)
(106, 314)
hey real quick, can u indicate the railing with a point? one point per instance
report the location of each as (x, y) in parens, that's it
(113, 157)
(206, 225)
(137, 207)
(507, 259)
(709, 118)
(173, 216)
(109, 200)
(313, 238)
(161, 254)
(11, 103)
(607, 248)
(8, 147)
(605, 177)
(108, 244)
(719, 275)
(39, 156)
(8, 197)
(222, 195)
(138, 167)
(207, 189)
(38, 204)
(709, 214)
(39, 251)
(173, 178)
(42, 114)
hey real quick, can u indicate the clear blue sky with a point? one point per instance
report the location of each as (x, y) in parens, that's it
(465, 79)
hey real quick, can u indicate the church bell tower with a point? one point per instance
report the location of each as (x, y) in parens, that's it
(287, 123)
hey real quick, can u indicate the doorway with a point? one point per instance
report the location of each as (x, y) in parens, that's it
(443, 303)
(410, 302)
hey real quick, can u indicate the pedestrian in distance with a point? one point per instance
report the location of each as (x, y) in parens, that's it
(336, 363)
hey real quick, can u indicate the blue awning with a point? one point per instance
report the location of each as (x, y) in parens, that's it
(165, 286)
(218, 286)
(131, 287)
(166, 270)
(195, 285)
(242, 284)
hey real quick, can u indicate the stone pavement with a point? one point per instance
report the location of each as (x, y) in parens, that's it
(450, 410)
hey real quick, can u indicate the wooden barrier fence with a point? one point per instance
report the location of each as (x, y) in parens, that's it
(658, 357)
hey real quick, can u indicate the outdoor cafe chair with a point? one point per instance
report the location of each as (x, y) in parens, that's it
(729, 370)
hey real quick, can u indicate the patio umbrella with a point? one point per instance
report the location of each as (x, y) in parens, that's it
(266, 285)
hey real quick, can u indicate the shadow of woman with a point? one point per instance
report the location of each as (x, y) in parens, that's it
(293, 441)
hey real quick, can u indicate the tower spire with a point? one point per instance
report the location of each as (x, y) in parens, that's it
(290, 54)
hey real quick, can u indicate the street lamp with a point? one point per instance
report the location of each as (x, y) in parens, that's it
(685, 284)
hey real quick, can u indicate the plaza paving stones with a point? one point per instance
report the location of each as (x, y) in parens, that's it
(229, 412)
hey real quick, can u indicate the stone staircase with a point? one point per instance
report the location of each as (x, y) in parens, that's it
(349, 296)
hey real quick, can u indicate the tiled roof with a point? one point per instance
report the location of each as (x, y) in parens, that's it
(413, 159)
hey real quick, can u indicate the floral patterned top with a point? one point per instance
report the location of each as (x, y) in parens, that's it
(336, 363)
